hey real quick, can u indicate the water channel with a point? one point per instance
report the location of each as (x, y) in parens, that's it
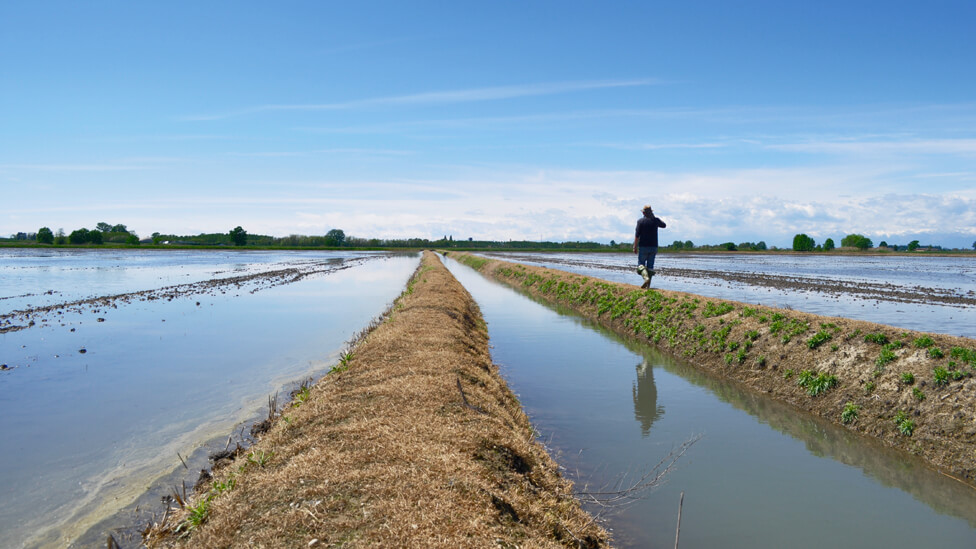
(762, 475)
(100, 397)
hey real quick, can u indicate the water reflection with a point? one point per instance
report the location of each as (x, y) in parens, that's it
(646, 408)
(821, 438)
(764, 475)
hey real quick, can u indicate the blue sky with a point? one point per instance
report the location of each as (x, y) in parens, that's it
(737, 121)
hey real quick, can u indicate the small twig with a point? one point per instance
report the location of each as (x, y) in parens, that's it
(226, 446)
(183, 460)
(677, 534)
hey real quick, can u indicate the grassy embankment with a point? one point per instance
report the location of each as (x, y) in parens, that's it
(913, 391)
(413, 440)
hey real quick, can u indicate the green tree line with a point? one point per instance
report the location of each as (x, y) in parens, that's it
(104, 233)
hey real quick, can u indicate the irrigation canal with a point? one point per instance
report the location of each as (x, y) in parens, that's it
(762, 475)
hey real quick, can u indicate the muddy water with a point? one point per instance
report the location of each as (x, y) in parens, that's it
(762, 475)
(924, 293)
(191, 344)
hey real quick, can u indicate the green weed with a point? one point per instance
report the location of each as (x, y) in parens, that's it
(819, 339)
(968, 356)
(869, 387)
(886, 357)
(260, 459)
(816, 384)
(761, 361)
(941, 376)
(935, 352)
(716, 309)
(849, 415)
(880, 339)
(918, 394)
(788, 374)
(923, 342)
(907, 378)
(343, 365)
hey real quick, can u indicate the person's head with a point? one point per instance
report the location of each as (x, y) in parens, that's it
(648, 211)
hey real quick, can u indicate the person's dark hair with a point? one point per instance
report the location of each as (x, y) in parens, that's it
(647, 210)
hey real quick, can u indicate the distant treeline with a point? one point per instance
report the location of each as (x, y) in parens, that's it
(105, 233)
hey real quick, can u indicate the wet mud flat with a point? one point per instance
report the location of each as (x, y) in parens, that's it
(54, 314)
(910, 390)
(413, 439)
(867, 290)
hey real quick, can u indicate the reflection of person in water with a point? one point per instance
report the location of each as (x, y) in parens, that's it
(646, 409)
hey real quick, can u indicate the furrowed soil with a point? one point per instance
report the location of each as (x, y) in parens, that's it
(913, 391)
(413, 440)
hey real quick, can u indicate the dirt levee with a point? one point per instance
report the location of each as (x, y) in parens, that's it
(913, 391)
(412, 441)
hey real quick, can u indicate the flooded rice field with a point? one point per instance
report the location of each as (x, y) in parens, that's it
(762, 474)
(925, 293)
(120, 365)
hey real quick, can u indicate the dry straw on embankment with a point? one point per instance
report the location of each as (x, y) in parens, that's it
(412, 441)
(913, 391)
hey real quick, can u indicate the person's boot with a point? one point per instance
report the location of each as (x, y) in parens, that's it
(642, 270)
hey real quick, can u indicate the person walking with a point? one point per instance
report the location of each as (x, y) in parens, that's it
(645, 244)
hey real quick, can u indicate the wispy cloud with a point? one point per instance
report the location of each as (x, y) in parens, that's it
(74, 167)
(917, 146)
(664, 146)
(441, 97)
(337, 151)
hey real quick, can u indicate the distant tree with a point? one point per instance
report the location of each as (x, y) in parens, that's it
(119, 229)
(829, 244)
(238, 236)
(336, 237)
(856, 241)
(974, 244)
(913, 245)
(803, 243)
(689, 245)
(883, 244)
(45, 236)
(60, 238)
(95, 237)
(103, 227)
(729, 246)
(132, 240)
(613, 243)
(20, 236)
(156, 237)
(761, 246)
(78, 236)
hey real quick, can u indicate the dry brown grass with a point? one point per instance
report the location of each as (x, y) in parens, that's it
(391, 453)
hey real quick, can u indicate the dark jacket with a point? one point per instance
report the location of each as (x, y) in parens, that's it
(646, 232)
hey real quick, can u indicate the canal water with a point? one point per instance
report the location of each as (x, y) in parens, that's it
(762, 475)
(163, 374)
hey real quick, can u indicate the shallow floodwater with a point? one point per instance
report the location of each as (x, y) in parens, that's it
(762, 475)
(86, 433)
(882, 278)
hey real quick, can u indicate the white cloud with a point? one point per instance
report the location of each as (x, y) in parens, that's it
(493, 93)
(965, 147)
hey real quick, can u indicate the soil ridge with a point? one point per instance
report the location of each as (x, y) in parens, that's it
(412, 440)
(912, 391)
